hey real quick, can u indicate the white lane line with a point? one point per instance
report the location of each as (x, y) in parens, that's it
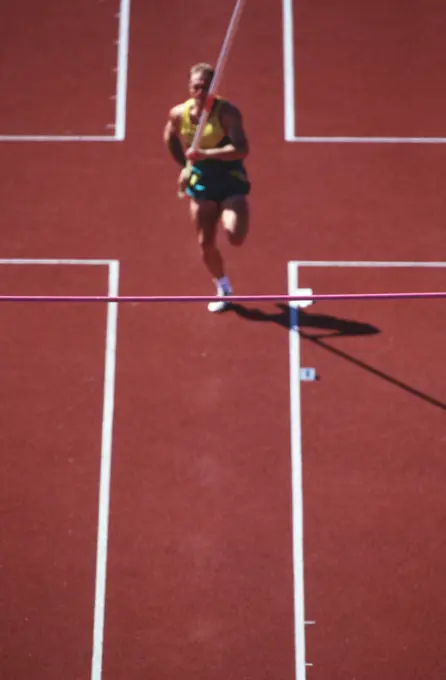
(119, 126)
(55, 261)
(122, 70)
(105, 472)
(367, 263)
(57, 138)
(288, 70)
(367, 140)
(289, 78)
(296, 477)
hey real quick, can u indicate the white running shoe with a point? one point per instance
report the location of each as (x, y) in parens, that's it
(220, 305)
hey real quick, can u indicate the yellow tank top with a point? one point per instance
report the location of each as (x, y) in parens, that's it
(213, 134)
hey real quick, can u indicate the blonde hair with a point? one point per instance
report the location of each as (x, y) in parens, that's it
(202, 67)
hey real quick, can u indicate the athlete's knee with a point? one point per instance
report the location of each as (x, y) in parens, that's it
(235, 239)
(235, 220)
(236, 230)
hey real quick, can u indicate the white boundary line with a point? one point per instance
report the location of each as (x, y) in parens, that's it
(121, 69)
(290, 96)
(106, 443)
(296, 478)
(288, 71)
(369, 140)
(105, 474)
(366, 263)
(56, 138)
(56, 261)
(296, 438)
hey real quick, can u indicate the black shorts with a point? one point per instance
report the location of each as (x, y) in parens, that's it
(217, 186)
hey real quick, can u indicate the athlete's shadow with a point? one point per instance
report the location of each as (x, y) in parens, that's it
(324, 322)
(339, 327)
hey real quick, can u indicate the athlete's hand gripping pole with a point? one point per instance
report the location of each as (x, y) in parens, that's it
(218, 74)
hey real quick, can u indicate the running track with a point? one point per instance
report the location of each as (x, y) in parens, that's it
(205, 488)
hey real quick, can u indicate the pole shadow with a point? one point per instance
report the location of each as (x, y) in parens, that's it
(374, 371)
(325, 322)
(336, 327)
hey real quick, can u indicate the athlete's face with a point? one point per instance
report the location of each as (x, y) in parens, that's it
(198, 87)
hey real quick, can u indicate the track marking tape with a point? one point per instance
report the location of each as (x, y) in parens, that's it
(305, 292)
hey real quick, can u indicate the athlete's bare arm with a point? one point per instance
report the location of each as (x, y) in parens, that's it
(232, 122)
(171, 135)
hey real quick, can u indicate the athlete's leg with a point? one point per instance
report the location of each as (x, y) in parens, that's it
(205, 216)
(235, 218)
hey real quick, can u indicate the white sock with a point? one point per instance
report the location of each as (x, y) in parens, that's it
(223, 284)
